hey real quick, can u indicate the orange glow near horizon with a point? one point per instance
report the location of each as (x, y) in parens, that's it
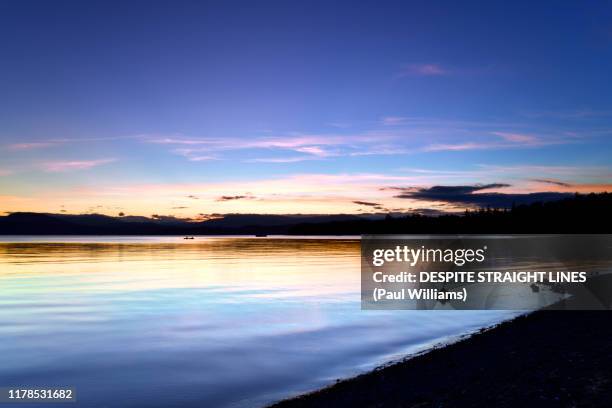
(300, 194)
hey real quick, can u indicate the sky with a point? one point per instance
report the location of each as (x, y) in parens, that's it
(197, 108)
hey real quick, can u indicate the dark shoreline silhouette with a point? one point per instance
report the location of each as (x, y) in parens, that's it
(579, 214)
(545, 359)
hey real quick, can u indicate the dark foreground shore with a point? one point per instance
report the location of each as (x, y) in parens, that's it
(545, 359)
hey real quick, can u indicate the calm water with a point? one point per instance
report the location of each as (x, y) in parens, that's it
(162, 322)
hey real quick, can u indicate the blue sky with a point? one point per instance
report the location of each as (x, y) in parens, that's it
(298, 107)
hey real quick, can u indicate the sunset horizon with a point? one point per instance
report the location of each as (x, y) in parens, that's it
(305, 204)
(218, 115)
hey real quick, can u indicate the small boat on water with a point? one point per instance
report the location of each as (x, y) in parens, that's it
(188, 238)
(261, 235)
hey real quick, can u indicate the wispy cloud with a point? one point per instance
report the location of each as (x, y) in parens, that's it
(382, 150)
(64, 166)
(393, 120)
(392, 135)
(430, 69)
(459, 146)
(292, 141)
(311, 146)
(507, 140)
(517, 137)
(55, 141)
(195, 154)
(201, 158)
(30, 146)
(311, 153)
(553, 182)
(314, 150)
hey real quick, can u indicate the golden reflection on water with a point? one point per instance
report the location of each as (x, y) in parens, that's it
(280, 266)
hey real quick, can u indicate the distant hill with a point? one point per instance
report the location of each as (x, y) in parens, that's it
(26, 223)
(578, 214)
(242, 220)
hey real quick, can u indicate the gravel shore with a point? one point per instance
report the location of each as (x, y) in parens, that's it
(544, 359)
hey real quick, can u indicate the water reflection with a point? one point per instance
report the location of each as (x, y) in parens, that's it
(211, 322)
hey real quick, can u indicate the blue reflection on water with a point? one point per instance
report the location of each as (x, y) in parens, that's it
(215, 322)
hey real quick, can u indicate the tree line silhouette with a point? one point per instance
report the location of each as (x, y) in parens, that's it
(582, 213)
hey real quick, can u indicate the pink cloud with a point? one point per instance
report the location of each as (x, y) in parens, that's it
(314, 150)
(509, 141)
(181, 141)
(61, 141)
(459, 147)
(517, 137)
(314, 146)
(62, 166)
(382, 141)
(30, 146)
(425, 70)
(201, 158)
(287, 142)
